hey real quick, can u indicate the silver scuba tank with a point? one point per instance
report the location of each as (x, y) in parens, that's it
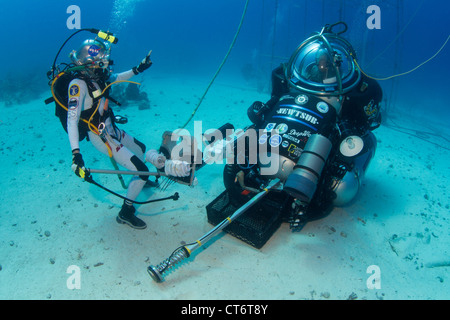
(302, 182)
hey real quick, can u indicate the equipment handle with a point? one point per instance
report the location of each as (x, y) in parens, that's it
(183, 252)
(134, 173)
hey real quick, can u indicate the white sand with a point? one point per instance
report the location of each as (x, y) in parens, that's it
(50, 219)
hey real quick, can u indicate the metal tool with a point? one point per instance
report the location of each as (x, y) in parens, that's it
(183, 252)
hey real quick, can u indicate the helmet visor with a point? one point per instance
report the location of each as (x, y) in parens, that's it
(92, 52)
(317, 67)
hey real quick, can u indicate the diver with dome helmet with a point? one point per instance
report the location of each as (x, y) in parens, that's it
(80, 90)
(126, 150)
(320, 115)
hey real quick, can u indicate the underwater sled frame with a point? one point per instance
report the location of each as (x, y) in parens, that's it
(258, 224)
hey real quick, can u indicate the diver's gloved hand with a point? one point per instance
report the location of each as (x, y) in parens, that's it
(256, 112)
(78, 165)
(155, 158)
(177, 168)
(174, 168)
(144, 65)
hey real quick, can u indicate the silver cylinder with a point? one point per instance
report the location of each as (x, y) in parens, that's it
(346, 189)
(302, 182)
(284, 167)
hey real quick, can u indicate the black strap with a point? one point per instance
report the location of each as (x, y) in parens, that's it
(88, 178)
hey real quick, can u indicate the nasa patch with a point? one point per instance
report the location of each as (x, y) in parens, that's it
(93, 50)
(74, 90)
(73, 103)
(72, 108)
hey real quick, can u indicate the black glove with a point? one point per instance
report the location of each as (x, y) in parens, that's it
(256, 112)
(78, 165)
(144, 65)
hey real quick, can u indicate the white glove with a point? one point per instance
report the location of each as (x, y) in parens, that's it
(155, 158)
(177, 168)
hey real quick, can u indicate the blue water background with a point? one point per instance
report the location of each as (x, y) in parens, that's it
(403, 199)
(190, 39)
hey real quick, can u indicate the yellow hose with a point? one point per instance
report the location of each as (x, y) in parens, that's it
(403, 73)
(88, 122)
(91, 127)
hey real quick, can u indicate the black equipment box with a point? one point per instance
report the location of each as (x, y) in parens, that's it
(256, 225)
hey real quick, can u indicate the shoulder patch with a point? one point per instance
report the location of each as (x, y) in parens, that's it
(74, 90)
(73, 103)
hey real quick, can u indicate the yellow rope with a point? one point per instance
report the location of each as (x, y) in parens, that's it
(220, 67)
(404, 73)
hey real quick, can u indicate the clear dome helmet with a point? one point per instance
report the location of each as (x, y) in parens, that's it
(323, 65)
(95, 55)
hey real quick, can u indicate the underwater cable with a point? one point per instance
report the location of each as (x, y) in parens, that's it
(88, 178)
(418, 134)
(404, 73)
(399, 34)
(221, 65)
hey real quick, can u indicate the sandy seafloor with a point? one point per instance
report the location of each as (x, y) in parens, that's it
(50, 219)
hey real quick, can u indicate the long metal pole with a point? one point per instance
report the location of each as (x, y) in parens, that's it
(134, 173)
(183, 252)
